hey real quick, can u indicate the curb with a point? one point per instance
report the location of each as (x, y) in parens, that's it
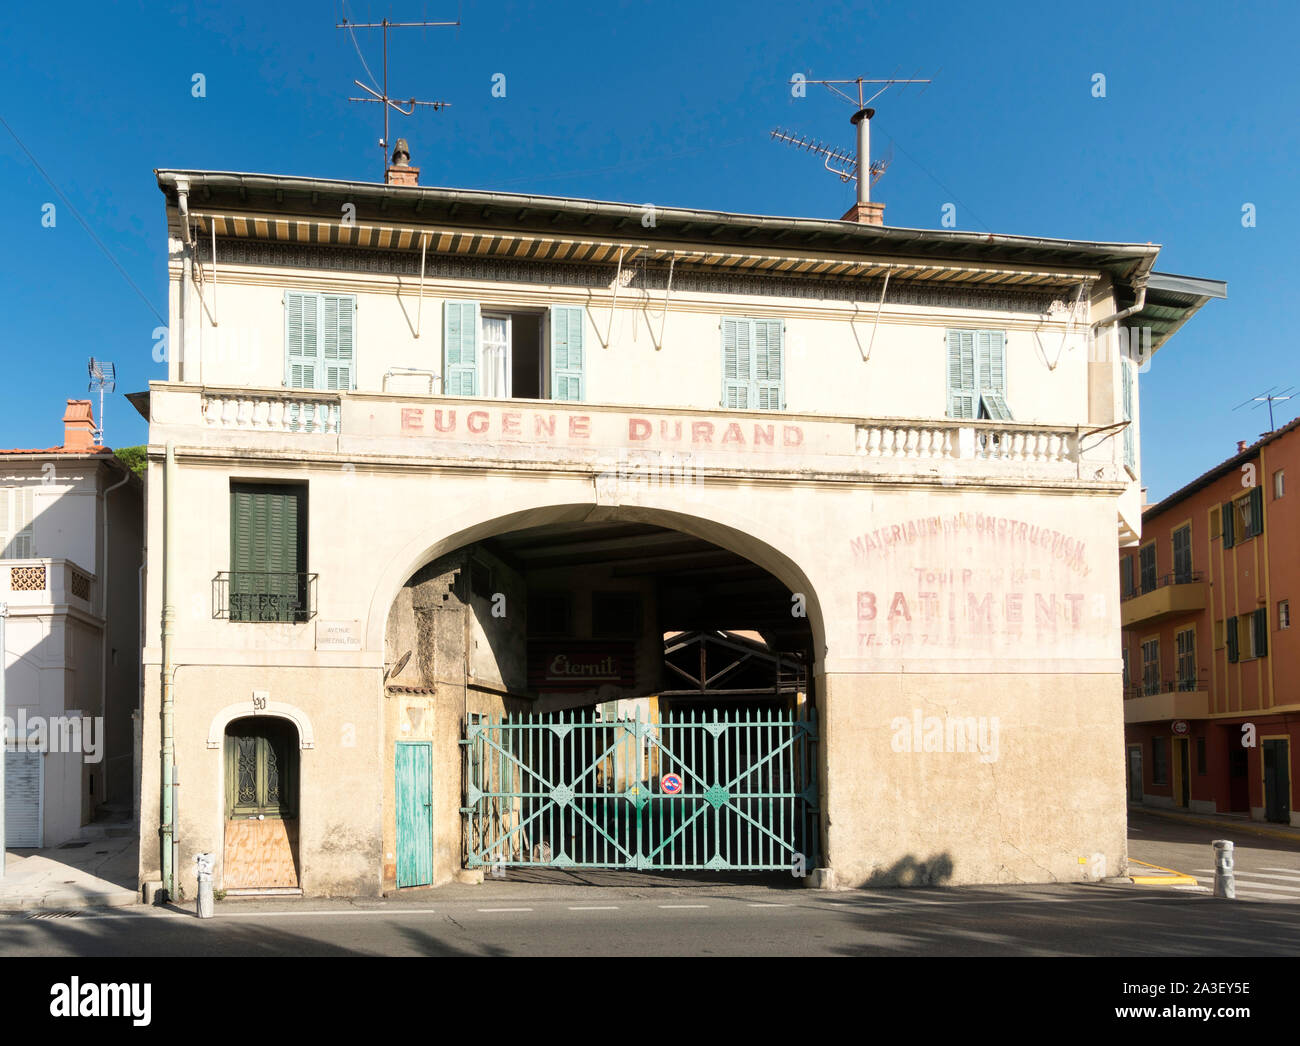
(68, 901)
(1165, 876)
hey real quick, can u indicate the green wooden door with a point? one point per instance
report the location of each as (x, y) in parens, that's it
(414, 761)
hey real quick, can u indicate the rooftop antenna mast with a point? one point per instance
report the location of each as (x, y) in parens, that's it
(382, 96)
(103, 377)
(1270, 397)
(847, 166)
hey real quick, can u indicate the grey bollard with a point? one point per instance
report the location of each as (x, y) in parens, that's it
(203, 864)
(1225, 885)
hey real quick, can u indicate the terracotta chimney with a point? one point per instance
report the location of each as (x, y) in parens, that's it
(78, 426)
(400, 171)
(1241, 446)
(871, 213)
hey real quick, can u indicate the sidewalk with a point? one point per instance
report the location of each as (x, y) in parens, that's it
(1228, 822)
(94, 872)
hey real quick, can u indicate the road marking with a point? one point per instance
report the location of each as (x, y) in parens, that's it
(683, 906)
(1166, 876)
(764, 904)
(1294, 871)
(1261, 890)
(504, 909)
(593, 907)
(1258, 875)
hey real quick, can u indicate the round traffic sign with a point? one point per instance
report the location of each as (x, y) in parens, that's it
(671, 784)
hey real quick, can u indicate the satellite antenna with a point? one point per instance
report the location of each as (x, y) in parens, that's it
(103, 377)
(382, 96)
(847, 167)
(1270, 397)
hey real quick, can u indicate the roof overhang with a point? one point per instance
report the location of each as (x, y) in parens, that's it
(515, 226)
(1171, 301)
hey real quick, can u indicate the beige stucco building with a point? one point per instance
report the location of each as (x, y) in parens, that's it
(484, 435)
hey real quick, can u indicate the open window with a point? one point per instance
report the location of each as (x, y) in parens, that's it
(503, 353)
(514, 366)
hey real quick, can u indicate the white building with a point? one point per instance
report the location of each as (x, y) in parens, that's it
(71, 555)
(435, 454)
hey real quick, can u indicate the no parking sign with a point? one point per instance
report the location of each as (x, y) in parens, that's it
(671, 784)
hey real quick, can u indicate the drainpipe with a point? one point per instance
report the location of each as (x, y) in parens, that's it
(167, 828)
(187, 272)
(1119, 317)
(103, 613)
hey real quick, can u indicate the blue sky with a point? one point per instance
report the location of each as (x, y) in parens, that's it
(669, 103)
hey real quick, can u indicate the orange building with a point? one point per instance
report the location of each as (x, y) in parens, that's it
(1211, 665)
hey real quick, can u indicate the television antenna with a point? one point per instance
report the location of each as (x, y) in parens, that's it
(848, 168)
(382, 96)
(103, 377)
(1270, 397)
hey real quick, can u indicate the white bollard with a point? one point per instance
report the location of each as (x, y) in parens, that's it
(1225, 885)
(203, 864)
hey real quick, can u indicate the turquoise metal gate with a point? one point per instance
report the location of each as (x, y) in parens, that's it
(692, 790)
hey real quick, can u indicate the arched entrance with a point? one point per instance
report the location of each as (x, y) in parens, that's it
(261, 775)
(603, 692)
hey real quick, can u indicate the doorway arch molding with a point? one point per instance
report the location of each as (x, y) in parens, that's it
(743, 535)
(274, 709)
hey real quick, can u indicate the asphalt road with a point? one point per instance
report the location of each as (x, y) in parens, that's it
(629, 914)
(1265, 869)
(531, 920)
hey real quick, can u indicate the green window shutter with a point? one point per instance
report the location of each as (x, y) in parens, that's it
(1229, 539)
(1256, 510)
(769, 364)
(267, 550)
(460, 334)
(991, 361)
(1261, 632)
(961, 374)
(737, 362)
(1130, 444)
(993, 405)
(338, 340)
(568, 352)
(301, 340)
(1230, 637)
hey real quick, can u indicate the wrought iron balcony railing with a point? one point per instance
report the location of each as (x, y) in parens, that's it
(1178, 577)
(1180, 684)
(244, 595)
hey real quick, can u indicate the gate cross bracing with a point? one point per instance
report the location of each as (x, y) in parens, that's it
(559, 791)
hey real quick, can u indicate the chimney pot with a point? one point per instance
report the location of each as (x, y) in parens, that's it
(78, 426)
(400, 171)
(1241, 446)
